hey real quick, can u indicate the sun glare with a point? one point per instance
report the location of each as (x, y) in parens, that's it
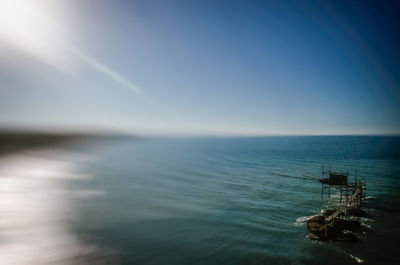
(30, 25)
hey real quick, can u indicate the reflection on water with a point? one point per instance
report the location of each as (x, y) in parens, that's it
(36, 206)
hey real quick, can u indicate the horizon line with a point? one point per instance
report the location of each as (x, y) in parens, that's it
(116, 132)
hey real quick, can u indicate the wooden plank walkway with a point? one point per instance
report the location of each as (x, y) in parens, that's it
(355, 199)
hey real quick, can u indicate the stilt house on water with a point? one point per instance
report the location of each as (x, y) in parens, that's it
(334, 222)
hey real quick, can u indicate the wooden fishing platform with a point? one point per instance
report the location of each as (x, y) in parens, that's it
(337, 220)
(350, 194)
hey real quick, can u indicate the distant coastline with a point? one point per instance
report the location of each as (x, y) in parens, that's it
(14, 141)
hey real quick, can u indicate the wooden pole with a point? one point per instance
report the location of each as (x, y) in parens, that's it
(355, 175)
(345, 207)
(322, 191)
(329, 192)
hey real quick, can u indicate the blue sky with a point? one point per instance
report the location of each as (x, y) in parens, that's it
(202, 67)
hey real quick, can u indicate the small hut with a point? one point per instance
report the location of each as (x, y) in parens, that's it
(335, 179)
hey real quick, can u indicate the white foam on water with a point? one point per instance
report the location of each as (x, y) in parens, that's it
(359, 260)
(300, 221)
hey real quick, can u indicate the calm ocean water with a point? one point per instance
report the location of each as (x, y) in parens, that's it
(204, 201)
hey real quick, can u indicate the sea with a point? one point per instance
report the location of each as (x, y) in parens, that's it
(184, 201)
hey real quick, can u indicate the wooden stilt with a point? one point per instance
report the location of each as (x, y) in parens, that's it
(329, 191)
